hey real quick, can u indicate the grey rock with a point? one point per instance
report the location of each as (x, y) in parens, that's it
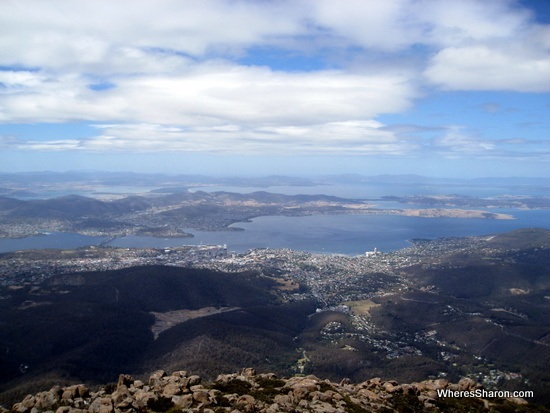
(467, 384)
(156, 377)
(248, 372)
(184, 401)
(171, 390)
(46, 400)
(138, 384)
(193, 381)
(120, 394)
(201, 396)
(125, 380)
(299, 394)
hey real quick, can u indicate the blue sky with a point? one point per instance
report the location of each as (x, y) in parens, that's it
(301, 87)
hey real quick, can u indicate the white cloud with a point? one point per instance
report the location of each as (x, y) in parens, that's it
(211, 94)
(488, 46)
(43, 97)
(13, 143)
(484, 68)
(175, 81)
(380, 25)
(64, 33)
(350, 138)
(364, 138)
(450, 23)
(456, 143)
(97, 34)
(14, 82)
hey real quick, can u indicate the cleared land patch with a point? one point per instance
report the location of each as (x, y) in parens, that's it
(164, 321)
(361, 307)
(287, 285)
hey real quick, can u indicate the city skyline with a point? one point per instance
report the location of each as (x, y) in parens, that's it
(451, 89)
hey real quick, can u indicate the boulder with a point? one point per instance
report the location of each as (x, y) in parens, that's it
(75, 391)
(183, 402)
(246, 403)
(46, 400)
(467, 383)
(101, 405)
(392, 387)
(303, 386)
(299, 394)
(25, 405)
(120, 394)
(193, 381)
(248, 372)
(201, 396)
(171, 389)
(322, 407)
(368, 394)
(124, 380)
(143, 396)
(156, 377)
(138, 384)
(125, 404)
(283, 400)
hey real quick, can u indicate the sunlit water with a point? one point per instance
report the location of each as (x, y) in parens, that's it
(343, 234)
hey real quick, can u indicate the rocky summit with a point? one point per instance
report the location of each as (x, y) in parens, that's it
(250, 392)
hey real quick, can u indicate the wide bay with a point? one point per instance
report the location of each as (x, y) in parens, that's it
(341, 234)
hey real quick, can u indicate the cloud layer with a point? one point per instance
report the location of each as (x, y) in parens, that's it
(167, 75)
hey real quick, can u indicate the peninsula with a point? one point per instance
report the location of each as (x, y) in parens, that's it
(170, 215)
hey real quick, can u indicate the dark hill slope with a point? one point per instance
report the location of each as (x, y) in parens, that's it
(88, 326)
(508, 264)
(7, 203)
(160, 288)
(490, 302)
(186, 206)
(261, 336)
(525, 238)
(70, 207)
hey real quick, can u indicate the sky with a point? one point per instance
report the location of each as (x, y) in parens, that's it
(295, 87)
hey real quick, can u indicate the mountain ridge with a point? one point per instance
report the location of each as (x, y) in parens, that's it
(248, 391)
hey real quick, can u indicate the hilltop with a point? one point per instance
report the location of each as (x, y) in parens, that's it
(250, 392)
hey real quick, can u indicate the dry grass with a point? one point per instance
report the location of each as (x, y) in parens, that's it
(361, 307)
(164, 321)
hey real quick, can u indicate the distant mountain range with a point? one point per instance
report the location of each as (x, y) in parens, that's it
(161, 215)
(25, 182)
